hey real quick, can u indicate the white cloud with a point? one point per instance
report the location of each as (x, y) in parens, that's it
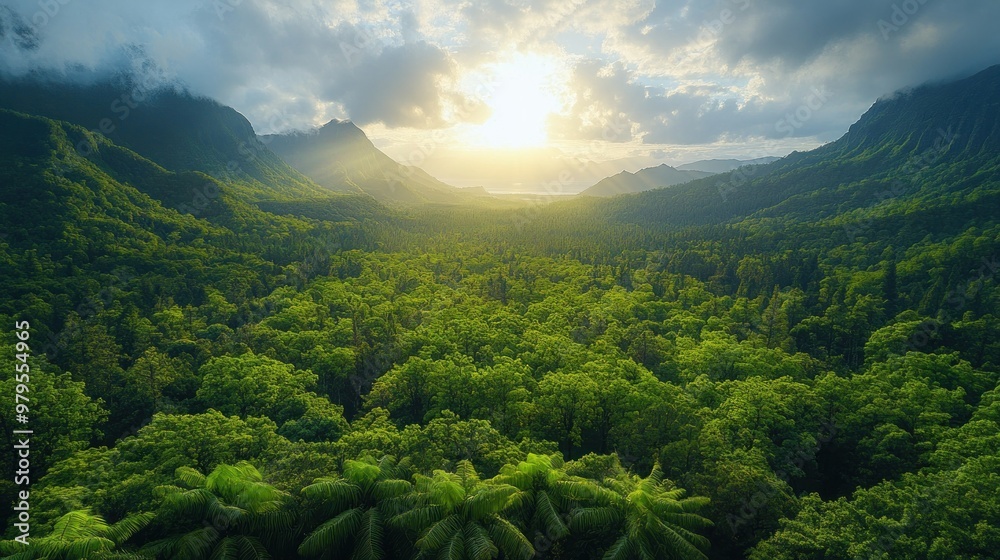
(659, 71)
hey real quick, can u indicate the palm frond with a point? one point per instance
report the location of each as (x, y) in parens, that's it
(225, 550)
(547, 517)
(466, 471)
(332, 534)
(488, 500)
(510, 539)
(419, 518)
(595, 518)
(190, 503)
(337, 493)
(82, 548)
(369, 541)
(684, 544)
(439, 534)
(190, 477)
(194, 545)
(361, 473)
(76, 525)
(391, 488)
(249, 548)
(623, 549)
(454, 549)
(124, 529)
(478, 544)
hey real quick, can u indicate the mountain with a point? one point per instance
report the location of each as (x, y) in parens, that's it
(643, 180)
(76, 208)
(341, 158)
(723, 165)
(931, 149)
(176, 130)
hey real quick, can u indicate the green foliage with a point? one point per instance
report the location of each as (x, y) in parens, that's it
(648, 516)
(819, 369)
(355, 509)
(79, 535)
(223, 515)
(457, 515)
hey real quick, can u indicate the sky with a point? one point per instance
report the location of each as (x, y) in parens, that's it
(523, 89)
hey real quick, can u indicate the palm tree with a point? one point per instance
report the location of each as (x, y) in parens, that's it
(220, 516)
(459, 516)
(79, 535)
(356, 507)
(546, 493)
(652, 519)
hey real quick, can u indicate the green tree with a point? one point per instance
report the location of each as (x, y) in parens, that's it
(458, 516)
(152, 372)
(546, 494)
(80, 535)
(250, 385)
(651, 518)
(565, 405)
(219, 516)
(356, 508)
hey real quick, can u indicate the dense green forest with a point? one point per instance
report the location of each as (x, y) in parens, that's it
(803, 363)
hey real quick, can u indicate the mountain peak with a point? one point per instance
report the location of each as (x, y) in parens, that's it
(340, 157)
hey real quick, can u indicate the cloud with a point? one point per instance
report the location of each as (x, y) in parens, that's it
(654, 71)
(286, 64)
(613, 104)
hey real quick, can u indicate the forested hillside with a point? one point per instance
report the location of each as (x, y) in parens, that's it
(801, 363)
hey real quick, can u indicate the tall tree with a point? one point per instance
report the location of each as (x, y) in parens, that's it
(220, 516)
(356, 508)
(651, 518)
(458, 516)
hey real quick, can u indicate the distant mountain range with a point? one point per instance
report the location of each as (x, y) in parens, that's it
(340, 157)
(666, 176)
(643, 180)
(723, 165)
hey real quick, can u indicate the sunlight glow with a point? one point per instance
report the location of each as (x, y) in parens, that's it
(521, 92)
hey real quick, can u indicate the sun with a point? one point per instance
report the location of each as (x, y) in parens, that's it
(522, 92)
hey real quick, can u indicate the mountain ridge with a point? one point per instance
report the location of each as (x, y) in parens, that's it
(172, 128)
(646, 179)
(724, 165)
(912, 137)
